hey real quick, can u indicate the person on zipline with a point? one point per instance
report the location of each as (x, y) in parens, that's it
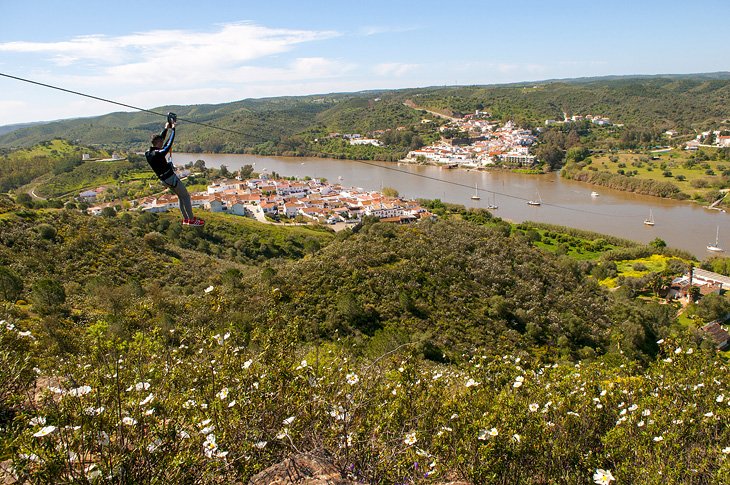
(165, 171)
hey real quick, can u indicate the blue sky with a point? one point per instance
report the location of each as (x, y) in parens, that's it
(187, 52)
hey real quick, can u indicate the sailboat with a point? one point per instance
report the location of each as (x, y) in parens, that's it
(716, 247)
(650, 220)
(476, 193)
(535, 202)
(493, 205)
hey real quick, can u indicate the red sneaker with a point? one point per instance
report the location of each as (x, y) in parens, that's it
(193, 222)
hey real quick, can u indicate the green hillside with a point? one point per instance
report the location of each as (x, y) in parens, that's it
(134, 351)
(276, 125)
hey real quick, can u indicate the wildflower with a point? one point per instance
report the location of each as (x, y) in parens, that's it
(410, 438)
(289, 420)
(92, 472)
(603, 477)
(603, 392)
(493, 432)
(352, 379)
(26, 334)
(209, 289)
(102, 438)
(149, 412)
(152, 447)
(640, 423)
(720, 398)
(44, 431)
(471, 382)
(678, 350)
(260, 445)
(129, 421)
(668, 360)
(516, 438)
(147, 400)
(282, 434)
(141, 386)
(482, 434)
(247, 364)
(37, 421)
(182, 434)
(660, 341)
(208, 429)
(223, 394)
(232, 403)
(646, 412)
(726, 450)
(437, 376)
(690, 351)
(210, 446)
(303, 365)
(517, 384)
(79, 391)
(633, 407)
(657, 439)
(189, 404)
(534, 407)
(55, 390)
(599, 406)
(709, 415)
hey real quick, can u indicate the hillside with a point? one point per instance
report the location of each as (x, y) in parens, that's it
(439, 351)
(278, 125)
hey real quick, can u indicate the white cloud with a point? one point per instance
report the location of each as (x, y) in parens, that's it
(381, 29)
(396, 69)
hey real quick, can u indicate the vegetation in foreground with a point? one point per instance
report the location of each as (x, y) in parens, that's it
(454, 349)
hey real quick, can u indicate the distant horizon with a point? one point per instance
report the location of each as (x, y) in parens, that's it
(209, 53)
(333, 93)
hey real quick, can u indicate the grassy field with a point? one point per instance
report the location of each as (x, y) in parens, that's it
(636, 268)
(696, 178)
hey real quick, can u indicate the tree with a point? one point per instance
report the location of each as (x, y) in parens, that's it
(390, 192)
(48, 296)
(658, 243)
(224, 171)
(246, 171)
(10, 284)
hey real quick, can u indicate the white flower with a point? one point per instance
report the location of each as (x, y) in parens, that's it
(189, 404)
(646, 412)
(658, 438)
(260, 445)
(129, 421)
(44, 431)
(640, 423)
(516, 438)
(142, 386)
(282, 434)
(232, 403)
(482, 434)
(152, 447)
(208, 429)
(209, 289)
(182, 434)
(690, 351)
(437, 376)
(517, 384)
(247, 364)
(660, 341)
(352, 379)
(471, 383)
(720, 398)
(37, 421)
(80, 391)
(56, 390)
(668, 360)
(223, 394)
(288, 420)
(147, 400)
(149, 412)
(302, 365)
(678, 350)
(102, 438)
(709, 415)
(534, 407)
(410, 438)
(493, 432)
(603, 477)
(633, 407)
(726, 450)
(26, 334)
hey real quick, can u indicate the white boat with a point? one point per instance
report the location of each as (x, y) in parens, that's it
(650, 220)
(476, 193)
(538, 201)
(595, 194)
(716, 247)
(493, 205)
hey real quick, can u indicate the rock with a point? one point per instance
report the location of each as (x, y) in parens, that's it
(301, 469)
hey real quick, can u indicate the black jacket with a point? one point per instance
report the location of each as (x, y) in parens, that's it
(158, 158)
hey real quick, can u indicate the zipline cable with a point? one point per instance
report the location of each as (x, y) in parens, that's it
(365, 162)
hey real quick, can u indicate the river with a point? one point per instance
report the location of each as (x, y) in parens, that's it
(681, 224)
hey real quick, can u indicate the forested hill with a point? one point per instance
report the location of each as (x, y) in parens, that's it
(661, 102)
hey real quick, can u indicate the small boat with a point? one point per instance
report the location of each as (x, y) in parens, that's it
(716, 247)
(595, 194)
(476, 193)
(650, 220)
(493, 205)
(537, 201)
(340, 178)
